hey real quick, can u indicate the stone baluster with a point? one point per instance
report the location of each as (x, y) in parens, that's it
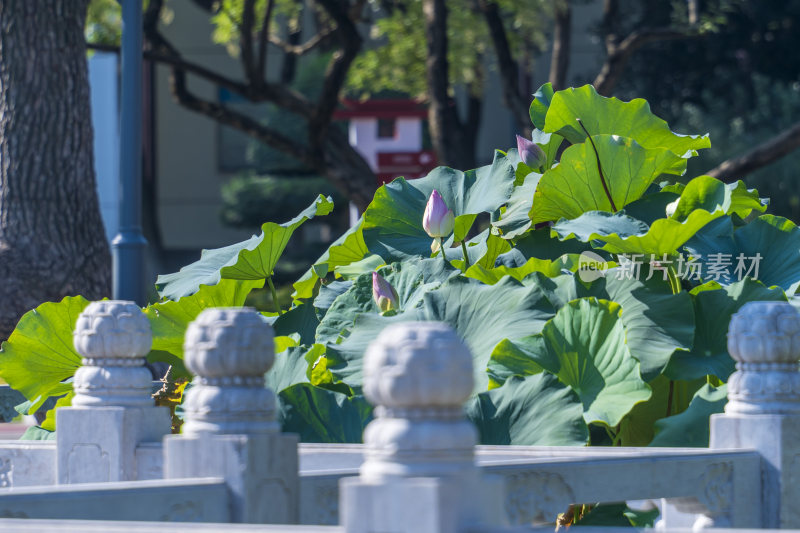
(112, 411)
(230, 429)
(763, 410)
(419, 473)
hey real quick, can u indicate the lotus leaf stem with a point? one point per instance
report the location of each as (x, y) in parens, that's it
(274, 295)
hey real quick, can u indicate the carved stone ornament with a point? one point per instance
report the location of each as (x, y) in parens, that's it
(536, 498)
(764, 339)
(229, 350)
(418, 375)
(715, 500)
(113, 337)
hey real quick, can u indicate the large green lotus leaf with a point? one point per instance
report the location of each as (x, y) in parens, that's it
(691, 427)
(321, 415)
(540, 104)
(592, 224)
(584, 345)
(601, 115)
(169, 319)
(252, 259)
(483, 250)
(574, 186)
(518, 358)
(651, 207)
(516, 219)
(291, 366)
(328, 294)
(616, 515)
(706, 192)
(714, 306)
(347, 249)
(540, 244)
(657, 322)
(587, 340)
(495, 247)
(300, 320)
(532, 411)
(411, 279)
(39, 355)
(549, 268)
(393, 221)
(482, 315)
(369, 264)
(665, 235)
(638, 426)
(345, 358)
(775, 239)
(38, 433)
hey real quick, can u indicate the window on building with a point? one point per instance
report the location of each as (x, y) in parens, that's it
(386, 128)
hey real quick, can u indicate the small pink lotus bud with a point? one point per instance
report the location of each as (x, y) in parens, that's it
(438, 220)
(530, 153)
(383, 293)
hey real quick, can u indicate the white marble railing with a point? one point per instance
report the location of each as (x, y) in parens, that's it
(419, 469)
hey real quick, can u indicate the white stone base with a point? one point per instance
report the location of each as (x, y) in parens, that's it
(421, 504)
(97, 444)
(260, 470)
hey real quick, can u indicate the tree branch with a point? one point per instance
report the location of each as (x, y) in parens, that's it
(246, 42)
(509, 72)
(301, 49)
(333, 157)
(762, 155)
(618, 55)
(262, 40)
(236, 120)
(336, 73)
(559, 62)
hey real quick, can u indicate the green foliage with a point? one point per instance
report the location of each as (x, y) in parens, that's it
(559, 351)
(38, 358)
(395, 57)
(252, 259)
(521, 412)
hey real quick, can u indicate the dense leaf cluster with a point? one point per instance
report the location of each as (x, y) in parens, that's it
(560, 357)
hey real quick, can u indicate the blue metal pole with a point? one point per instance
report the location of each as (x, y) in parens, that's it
(129, 245)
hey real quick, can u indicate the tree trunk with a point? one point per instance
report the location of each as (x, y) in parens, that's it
(448, 133)
(562, 37)
(52, 242)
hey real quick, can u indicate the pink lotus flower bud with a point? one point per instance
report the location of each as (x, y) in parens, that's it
(383, 293)
(530, 153)
(438, 220)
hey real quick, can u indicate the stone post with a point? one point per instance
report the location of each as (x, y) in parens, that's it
(419, 473)
(230, 429)
(112, 411)
(763, 410)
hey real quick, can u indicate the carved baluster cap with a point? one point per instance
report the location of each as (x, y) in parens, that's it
(418, 364)
(112, 328)
(229, 342)
(764, 339)
(229, 350)
(765, 332)
(113, 337)
(418, 375)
